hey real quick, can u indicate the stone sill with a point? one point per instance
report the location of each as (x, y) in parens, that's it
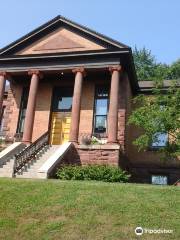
(99, 146)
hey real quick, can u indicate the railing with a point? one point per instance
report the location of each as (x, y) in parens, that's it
(30, 152)
(177, 183)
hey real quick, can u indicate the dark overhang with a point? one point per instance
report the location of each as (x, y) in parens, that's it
(90, 60)
(148, 86)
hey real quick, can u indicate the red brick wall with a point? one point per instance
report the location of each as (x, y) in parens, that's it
(42, 114)
(12, 110)
(43, 104)
(142, 164)
(124, 90)
(86, 113)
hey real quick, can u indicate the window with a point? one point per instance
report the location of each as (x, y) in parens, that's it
(22, 114)
(159, 179)
(101, 109)
(2, 119)
(160, 140)
(62, 99)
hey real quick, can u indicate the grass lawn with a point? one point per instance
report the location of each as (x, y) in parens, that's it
(54, 209)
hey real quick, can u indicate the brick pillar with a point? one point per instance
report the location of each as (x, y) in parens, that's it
(76, 104)
(2, 88)
(113, 105)
(30, 111)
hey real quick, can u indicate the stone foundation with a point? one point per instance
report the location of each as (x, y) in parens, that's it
(92, 154)
(99, 154)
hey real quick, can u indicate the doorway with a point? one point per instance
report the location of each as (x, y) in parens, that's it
(61, 115)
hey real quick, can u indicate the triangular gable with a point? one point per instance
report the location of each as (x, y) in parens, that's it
(61, 40)
(60, 35)
(58, 42)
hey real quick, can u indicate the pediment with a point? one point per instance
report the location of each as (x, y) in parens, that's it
(60, 35)
(61, 40)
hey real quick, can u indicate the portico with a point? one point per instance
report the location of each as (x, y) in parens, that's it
(38, 77)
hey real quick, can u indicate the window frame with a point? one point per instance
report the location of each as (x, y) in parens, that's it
(2, 118)
(160, 175)
(25, 93)
(159, 146)
(96, 97)
(55, 97)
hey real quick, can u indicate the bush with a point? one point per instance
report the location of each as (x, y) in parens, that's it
(93, 172)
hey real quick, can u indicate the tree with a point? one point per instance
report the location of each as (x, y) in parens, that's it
(174, 71)
(148, 69)
(162, 72)
(144, 64)
(159, 113)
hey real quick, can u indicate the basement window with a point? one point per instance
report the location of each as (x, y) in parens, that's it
(159, 179)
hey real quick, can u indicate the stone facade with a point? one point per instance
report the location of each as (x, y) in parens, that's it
(95, 154)
(99, 154)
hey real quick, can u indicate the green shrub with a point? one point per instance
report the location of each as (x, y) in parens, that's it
(92, 172)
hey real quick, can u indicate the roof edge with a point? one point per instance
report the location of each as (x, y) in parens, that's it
(67, 21)
(148, 86)
(41, 27)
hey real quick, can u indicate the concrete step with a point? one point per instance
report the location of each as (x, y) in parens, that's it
(7, 166)
(9, 163)
(32, 175)
(8, 175)
(6, 170)
(31, 169)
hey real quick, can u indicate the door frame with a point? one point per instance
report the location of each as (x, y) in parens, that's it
(51, 107)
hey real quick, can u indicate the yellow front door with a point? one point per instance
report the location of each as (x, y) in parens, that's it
(66, 122)
(61, 115)
(60, 128)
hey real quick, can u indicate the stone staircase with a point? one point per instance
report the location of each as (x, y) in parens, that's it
(30, 170)
(7, 158)
(6, 170)
(37, 160)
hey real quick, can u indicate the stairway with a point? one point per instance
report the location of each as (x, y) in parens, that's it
(38, 160)
(30, 170)
(6, 170)
(7, 158)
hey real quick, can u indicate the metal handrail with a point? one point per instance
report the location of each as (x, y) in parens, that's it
(30, 152)
(178, 181)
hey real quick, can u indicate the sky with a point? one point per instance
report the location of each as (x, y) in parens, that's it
(154, 24)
